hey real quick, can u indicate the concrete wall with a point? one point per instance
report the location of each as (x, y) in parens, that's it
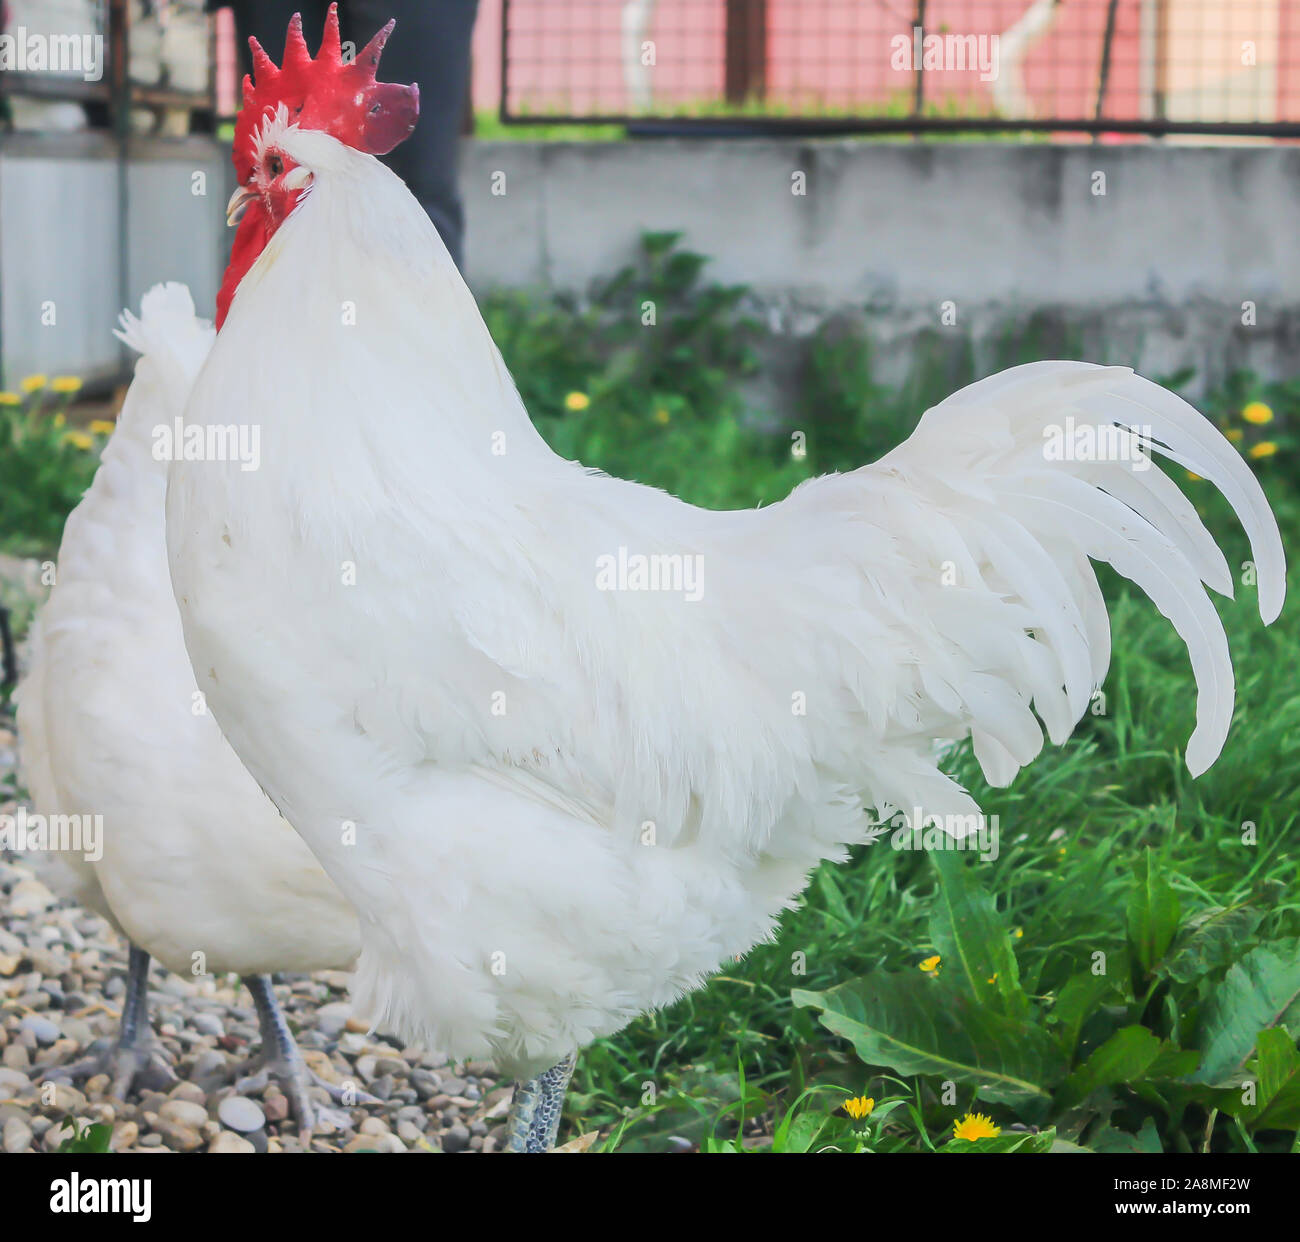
(62, 280)
(58, 285)
(1154, 271)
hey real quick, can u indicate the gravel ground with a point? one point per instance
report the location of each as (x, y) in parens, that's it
(62, 977)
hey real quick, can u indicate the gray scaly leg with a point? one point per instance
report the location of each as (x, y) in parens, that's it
(280, 1060)
(534, 1118)
(135, 1006)
(132, 1058)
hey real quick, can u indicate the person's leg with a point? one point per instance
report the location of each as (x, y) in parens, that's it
(431, 48)
(268, 22)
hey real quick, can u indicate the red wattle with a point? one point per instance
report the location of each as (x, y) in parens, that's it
(250, 239)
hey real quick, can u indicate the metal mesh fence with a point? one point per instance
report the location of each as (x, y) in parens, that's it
(1154, 66)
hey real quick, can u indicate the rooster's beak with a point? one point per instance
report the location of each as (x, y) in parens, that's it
(239, 200)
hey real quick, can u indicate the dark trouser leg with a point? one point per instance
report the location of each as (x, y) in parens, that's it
(431, 48)
(268, 22)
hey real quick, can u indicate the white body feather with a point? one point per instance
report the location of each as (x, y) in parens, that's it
(195, 857)
(555, 805)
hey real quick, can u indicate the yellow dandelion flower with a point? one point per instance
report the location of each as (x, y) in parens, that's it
(1265, 448)
(10, 398)
(1257, 413)
(662, 416)
(931, 964)
(859, 1107)
(66, 383)
(975, 1126)
(1020, 933)
(102, 426)
(79, 439)
(33, 383)
(59, 419)
(576, 401)
(1234, 435)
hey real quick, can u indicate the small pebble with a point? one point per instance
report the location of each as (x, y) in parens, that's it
(455, 1139)
(240, 1113)
(276, 1107)
(208, 1024)
(184, 1112)
(189, 1091)
(17, 1136)
(45, 1031)
(66, 1099)
(227, 1142)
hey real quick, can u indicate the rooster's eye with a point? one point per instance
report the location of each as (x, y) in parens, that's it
(274, 166)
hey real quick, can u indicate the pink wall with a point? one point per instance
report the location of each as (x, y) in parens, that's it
(1288, 39)
(567, 53)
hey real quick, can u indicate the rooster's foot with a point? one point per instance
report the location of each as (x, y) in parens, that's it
(133, 1059)
(128, 1065)
(295, 1079)
(280, 1062)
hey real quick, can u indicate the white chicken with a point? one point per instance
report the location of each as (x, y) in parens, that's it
(567, 743)
(197, 868)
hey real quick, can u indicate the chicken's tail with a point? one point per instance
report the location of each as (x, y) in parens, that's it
(1000, 498)
(167, 329)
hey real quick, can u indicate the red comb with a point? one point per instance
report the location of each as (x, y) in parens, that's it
(326, 94)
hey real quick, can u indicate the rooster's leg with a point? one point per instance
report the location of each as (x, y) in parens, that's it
(132, 1058)
(280, 1060)
(535, 1110)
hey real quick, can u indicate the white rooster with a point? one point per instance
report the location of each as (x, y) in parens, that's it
(557, 796)
(197, 868)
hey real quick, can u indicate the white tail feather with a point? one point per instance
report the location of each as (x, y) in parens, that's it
(1033, 522)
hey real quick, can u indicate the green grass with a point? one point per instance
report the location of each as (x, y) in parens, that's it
(489, 127)
(44, 467)
(807, 107)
